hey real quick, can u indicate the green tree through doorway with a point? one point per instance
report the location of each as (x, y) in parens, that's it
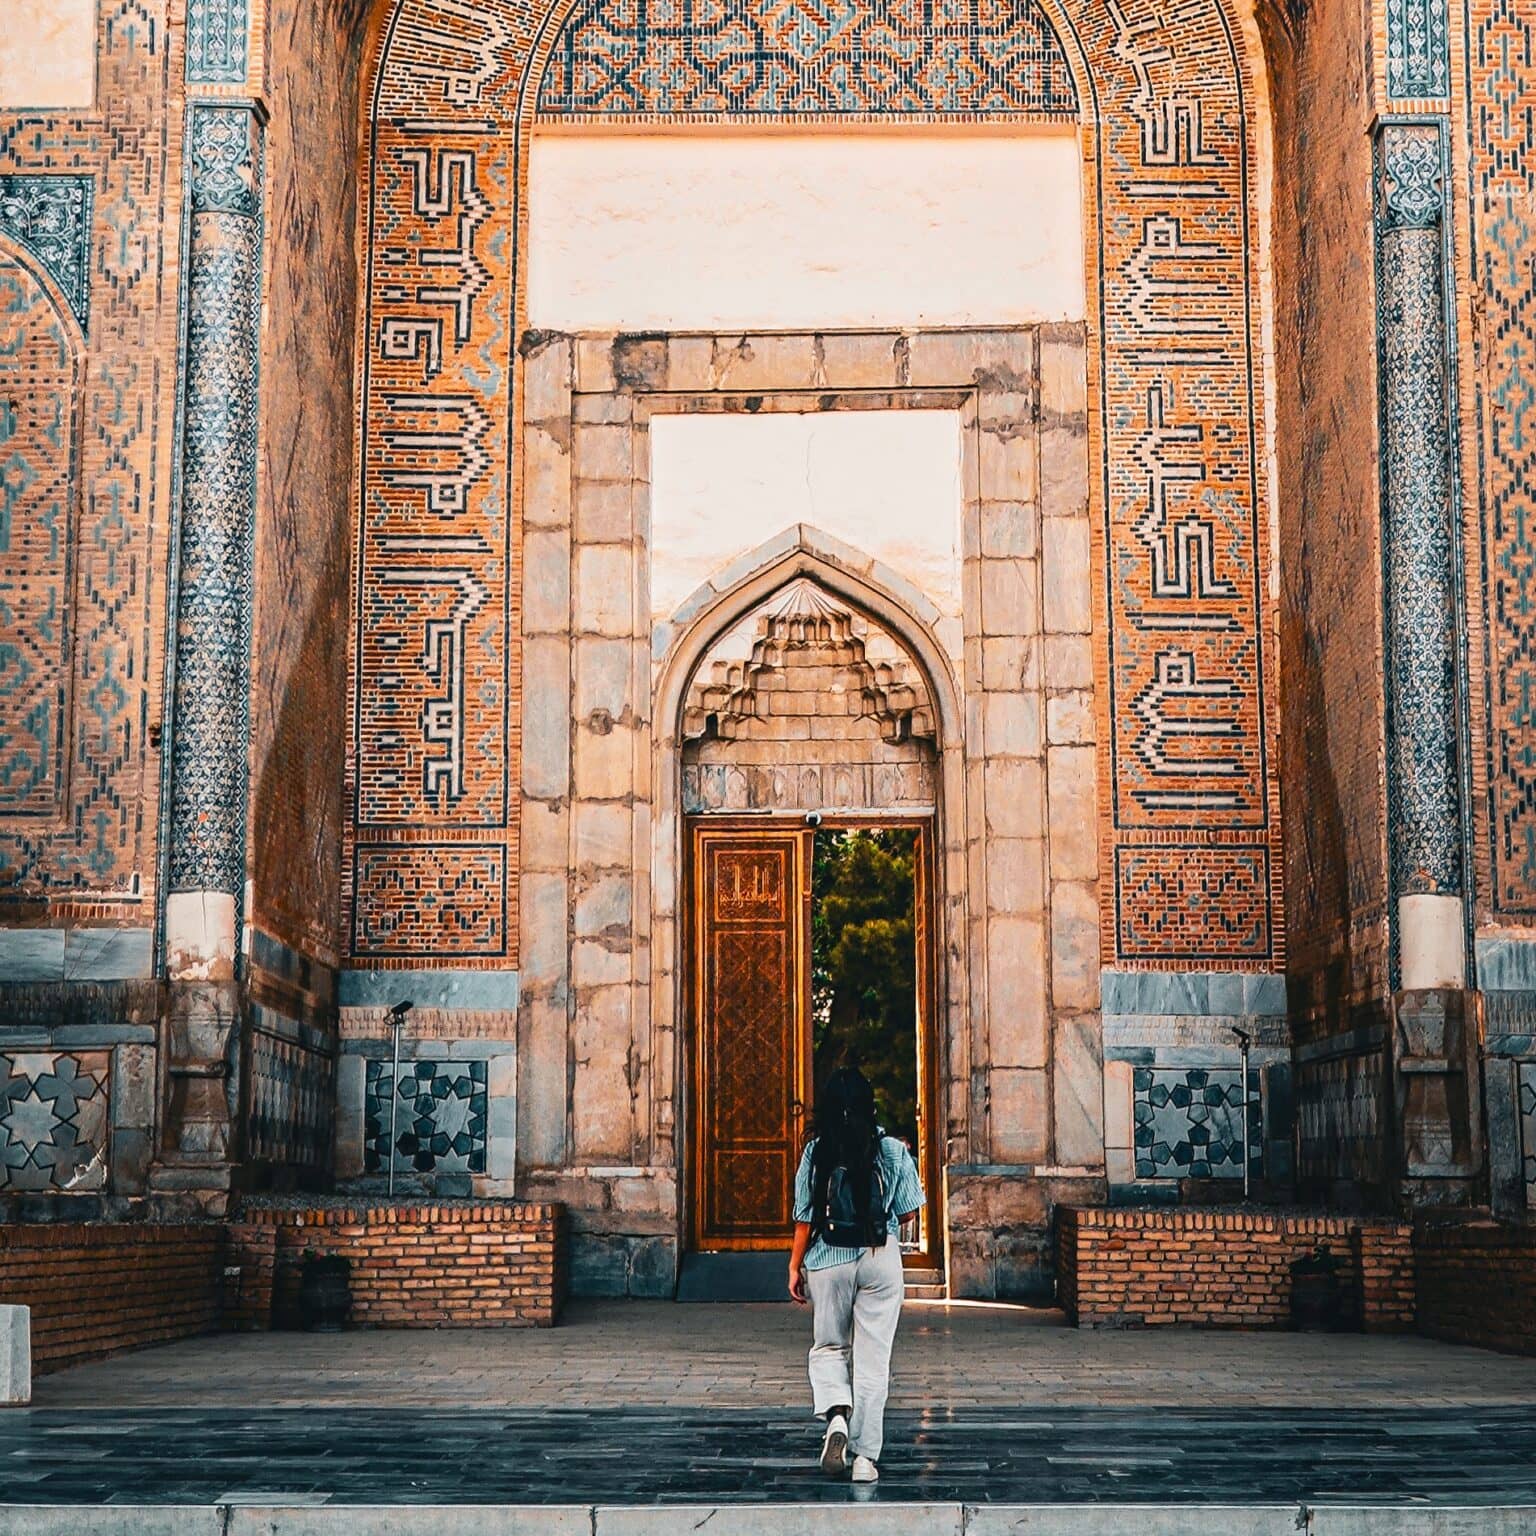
(864, 965)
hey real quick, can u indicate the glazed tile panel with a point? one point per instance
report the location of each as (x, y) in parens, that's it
(440, 1117)
(749, 59)
(1189, 1124)
(53, 1120)
(1191, 823)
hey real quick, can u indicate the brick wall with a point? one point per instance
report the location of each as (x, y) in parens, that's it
(1223, 1268)
(302, 535)
(485, 1265)
(97, 1290)
(1476, 1283)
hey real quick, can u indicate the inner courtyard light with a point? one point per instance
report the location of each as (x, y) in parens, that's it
(884, 482)
(763, 231)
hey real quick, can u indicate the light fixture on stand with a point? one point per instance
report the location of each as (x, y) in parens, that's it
(1244, 1040)
(397, 1022)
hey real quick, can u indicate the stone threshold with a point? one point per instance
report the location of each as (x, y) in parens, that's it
(850, 1517)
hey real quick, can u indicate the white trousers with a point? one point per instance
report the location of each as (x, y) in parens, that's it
(855, 1308)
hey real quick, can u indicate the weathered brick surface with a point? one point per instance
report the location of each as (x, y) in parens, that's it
(1225, 1269)
(302, 537)
(96, 1290)
(1330, 563)
(1476, 1284)
(498, 1264)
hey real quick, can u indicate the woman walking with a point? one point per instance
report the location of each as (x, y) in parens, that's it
(854, 1189)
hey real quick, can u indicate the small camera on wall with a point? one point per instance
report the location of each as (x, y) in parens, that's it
(813, 818)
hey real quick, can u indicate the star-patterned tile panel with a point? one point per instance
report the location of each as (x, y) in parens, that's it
(440, 1119)
(1189, 1124)
(53, 1120)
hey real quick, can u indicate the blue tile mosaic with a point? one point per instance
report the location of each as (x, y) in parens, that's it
(212, 625)
(51, 216)
(440, 1117)
(53, 1121)
(1187, 1124)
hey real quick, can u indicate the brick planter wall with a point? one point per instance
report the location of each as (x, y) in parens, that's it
(491, 1264)
(1223, 1269)
(1476, 1283)
(97, 1289)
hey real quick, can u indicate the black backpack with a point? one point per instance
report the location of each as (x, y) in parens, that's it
(838, 1221)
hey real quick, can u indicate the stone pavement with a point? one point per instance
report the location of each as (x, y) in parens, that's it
(661, 1354)
(637, 1419)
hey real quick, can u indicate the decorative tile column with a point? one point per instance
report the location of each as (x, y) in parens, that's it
(1423, 748)
(218, 487)
(212, 635)
(1438, 1129)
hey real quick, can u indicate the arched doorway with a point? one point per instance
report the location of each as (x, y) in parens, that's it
(809, 782)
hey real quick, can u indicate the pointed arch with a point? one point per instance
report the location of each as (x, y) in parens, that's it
(714, 610)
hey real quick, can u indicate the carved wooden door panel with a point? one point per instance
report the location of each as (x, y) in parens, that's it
(752, 1045)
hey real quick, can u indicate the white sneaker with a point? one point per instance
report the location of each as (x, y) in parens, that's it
(864, 1470)
(834, 1446)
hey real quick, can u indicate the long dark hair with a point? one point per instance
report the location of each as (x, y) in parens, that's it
(847, 1136)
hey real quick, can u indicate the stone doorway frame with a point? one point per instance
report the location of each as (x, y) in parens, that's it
(601, 1090)
(770, 570)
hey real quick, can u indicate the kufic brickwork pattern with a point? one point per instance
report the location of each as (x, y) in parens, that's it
(1192, 822)
(1501, 68)
(40, 372)
(97, 851)
(433, 732)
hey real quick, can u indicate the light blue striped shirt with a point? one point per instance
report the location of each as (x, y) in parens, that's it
(903, 1195)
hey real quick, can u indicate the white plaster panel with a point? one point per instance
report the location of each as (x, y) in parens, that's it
(773, 231)
(885, 482)
(47, 53)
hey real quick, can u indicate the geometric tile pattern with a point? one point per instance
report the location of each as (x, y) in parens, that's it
(53, 1120)
(1192, 904)
(217, 41)
(1188, 1123)
(1172, 231)
(40, 374)
(1340, 1119)
(51, 217)
(1424, 799)
(99, 846)
(440, 1118)
(1527, 1089)
(219, 434)
(290, 1102)
(622, 57)
(436, 642)
(426, 899)
(1501, 45)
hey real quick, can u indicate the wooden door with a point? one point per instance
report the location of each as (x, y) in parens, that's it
(752, 1036)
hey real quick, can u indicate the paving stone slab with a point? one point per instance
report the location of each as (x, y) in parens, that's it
(417, 1520)
(845, 1519)
(1125, 1519)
